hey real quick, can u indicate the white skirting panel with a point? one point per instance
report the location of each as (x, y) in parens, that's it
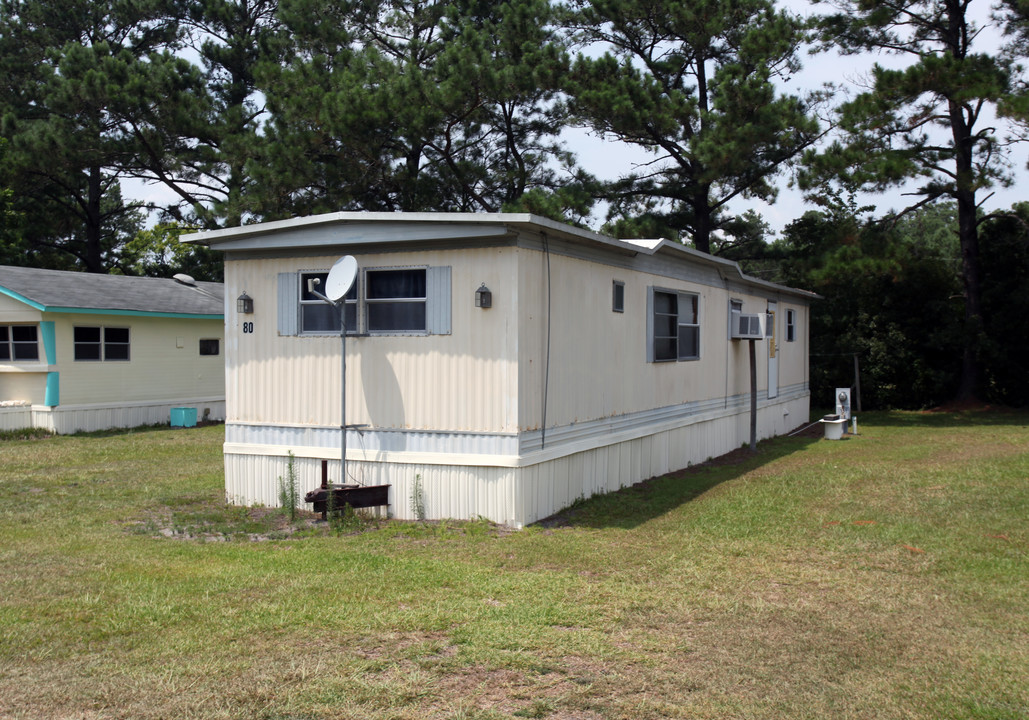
(514, 496)
(66, 419)
(15, 418)
(448, 491)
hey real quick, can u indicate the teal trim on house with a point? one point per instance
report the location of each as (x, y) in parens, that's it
(48, 331)
(22, 298)
(53, 389)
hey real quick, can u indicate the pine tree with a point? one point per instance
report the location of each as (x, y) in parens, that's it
(693, 83)
(233, 39)
(924, 122)
(92, 92)
(400, 105)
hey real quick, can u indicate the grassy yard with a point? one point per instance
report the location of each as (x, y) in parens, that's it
(884, 576)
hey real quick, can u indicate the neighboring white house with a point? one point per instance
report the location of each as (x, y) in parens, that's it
(599, 364)
(81, 351)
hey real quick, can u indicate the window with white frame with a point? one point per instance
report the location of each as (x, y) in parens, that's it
(791, 325)
(318, 317)
(100, 343)
(19, 343)
(673, 326)
(383, 301)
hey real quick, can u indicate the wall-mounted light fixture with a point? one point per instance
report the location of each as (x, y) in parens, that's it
(483, 297)
(245, 304)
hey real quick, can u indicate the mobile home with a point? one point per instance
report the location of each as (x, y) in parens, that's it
(81, 351)
(505, 364)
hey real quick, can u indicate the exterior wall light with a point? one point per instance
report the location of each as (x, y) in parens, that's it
(483, 297)
(245, 304)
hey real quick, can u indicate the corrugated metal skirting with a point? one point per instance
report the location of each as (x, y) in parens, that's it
(515, 496)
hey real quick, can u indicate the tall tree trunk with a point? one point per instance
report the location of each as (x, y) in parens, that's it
(702, 213)
(94, 222)
(702, 195)
(968, 233)
(961, 119)
(968, 238)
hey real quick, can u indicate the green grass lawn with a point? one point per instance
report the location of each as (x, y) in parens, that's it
(883, 576)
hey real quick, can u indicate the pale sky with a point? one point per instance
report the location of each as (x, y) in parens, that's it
(609, 160)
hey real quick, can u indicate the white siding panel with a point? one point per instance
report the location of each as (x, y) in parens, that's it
(596, 364)
(165, 361)
(65, 419)
(463, 381)
(25, 387)
(15, 418)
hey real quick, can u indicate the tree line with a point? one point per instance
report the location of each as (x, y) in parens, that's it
(251, 110)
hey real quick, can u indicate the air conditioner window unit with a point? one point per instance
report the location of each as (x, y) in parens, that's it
(748, 326)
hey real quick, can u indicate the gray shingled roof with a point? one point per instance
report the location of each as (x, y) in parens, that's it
(54, 290)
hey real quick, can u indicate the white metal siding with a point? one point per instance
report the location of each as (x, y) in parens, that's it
(461, 381)
(598, 359)
(15, 418)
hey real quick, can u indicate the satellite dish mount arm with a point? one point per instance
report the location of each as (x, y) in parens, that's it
(339, 304)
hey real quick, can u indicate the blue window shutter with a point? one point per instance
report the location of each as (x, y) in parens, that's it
(437, 300)
(289, 303)
(650, 324)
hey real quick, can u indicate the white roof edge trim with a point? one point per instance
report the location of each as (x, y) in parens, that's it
(347, 217)
(538, 222)
(652, 247)
(527, 221)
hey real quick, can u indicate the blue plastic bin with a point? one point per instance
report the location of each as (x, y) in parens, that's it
(184, 417)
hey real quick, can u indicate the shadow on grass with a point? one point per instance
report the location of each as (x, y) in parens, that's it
(157, 427)
(633, 506)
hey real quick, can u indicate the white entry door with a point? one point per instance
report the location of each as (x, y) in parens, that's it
(772, 333)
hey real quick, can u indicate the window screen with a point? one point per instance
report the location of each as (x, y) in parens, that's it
(19, 342)
(87, 343)
(100, 343)
(395, 300)
(666, 335)
(674, 326)
(318, 317)
(116, 343)
(689, 327)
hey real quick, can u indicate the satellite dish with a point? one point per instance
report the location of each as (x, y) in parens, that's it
(341, 278)
(184, 279)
